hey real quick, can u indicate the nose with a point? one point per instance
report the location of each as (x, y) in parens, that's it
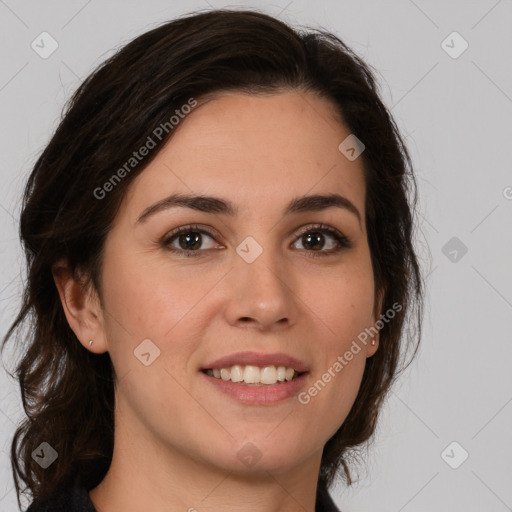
(261, 293)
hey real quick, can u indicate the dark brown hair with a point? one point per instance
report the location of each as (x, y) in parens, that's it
(67, 391)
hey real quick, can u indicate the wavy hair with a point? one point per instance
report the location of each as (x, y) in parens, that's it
(68, 392)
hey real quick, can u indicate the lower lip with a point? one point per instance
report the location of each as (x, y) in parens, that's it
(264, 394)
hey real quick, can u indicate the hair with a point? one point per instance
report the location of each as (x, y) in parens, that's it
(67, 391)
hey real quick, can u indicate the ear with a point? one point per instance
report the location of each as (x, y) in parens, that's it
(373, 345)
(82, 308)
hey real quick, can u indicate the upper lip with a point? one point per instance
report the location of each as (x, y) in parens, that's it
(258, 359)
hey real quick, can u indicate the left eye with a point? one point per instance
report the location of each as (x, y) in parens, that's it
(190, 240)
(315, 237)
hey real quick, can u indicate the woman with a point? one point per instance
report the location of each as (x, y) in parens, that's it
(220, 267)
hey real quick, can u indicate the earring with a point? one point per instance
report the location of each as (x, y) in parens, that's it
(373, 341)
(90, 342)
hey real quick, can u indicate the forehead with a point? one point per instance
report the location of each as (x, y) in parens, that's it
(254, 150)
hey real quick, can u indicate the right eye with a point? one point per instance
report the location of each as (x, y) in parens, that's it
(190, 238)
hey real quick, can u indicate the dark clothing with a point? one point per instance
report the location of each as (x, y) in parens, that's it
(76, 499)
(73, 499)
(324, 501)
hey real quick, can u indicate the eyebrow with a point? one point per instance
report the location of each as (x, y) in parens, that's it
(209, 204)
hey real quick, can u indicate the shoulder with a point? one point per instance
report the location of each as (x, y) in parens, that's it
(74, 498)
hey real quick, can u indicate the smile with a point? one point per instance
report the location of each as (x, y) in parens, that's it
(257, 393)
(254, 375)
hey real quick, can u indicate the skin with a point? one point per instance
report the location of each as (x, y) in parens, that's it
(176, 435)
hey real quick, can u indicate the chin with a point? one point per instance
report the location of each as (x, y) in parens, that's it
(267, 452)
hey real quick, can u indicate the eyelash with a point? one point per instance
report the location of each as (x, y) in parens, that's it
(343, 241)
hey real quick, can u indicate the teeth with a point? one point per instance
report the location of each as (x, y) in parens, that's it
(237, 373)
(253, 374)
(281, 373)
(268, 375)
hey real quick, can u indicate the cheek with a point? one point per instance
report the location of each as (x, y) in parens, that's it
(156, 301)
(330, 396)
(148, 300)
(344, 304)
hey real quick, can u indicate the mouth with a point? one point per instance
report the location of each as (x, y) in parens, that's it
(252, 375)
(257, 378)
(253, 393)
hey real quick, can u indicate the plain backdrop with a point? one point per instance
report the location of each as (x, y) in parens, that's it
(445, 70)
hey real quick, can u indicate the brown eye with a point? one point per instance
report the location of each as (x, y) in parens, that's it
(190, 240)
(314, 240)
(187, 240)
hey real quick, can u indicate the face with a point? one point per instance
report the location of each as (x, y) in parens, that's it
(247, 274)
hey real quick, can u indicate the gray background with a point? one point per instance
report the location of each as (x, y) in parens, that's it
(455, 115)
